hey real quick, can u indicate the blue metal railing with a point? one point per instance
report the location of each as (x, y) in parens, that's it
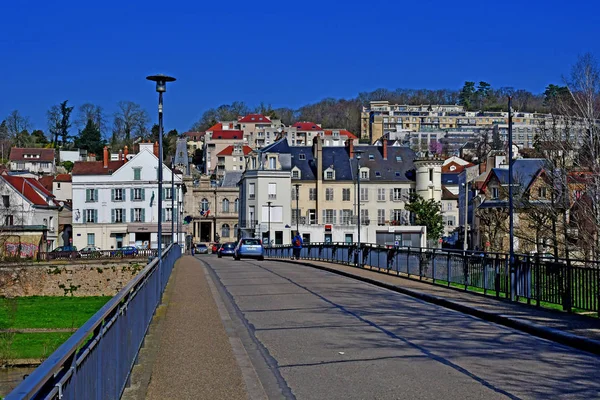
(572, 284)
(96, 361)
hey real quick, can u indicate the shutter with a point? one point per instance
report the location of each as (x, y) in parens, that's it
(112, 197)
(112, 214)
(132, 215)
(334, 217)
(87, 195)
(95, 194)
(391, 194)
(132, 196)
(164, 216)
(123, 191)
(164, 193)
(391, 215)
(143, 194)
(96, 215)
(123, 214)
(83, 217)
(143, 215)
(324, 218)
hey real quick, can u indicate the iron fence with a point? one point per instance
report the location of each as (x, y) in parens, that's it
(572, 284)
(117, 253)
(96, 361)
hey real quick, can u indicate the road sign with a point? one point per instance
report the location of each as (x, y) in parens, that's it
(396, 243)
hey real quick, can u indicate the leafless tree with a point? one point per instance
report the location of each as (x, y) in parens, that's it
(87, 112)
(130, 120)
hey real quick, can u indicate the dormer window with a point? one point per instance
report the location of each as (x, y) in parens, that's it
(453, 168)
(371, 157)
(364, 173)
(302, 156)
(295, 173)
(329, 174)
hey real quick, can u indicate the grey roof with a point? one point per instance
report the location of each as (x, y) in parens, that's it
(524, 170)
(231, 178)
(399, 165)
(450, 179)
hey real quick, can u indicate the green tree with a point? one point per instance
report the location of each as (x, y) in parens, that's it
(39, 138)
(427, 213)
(90, 138)
(68, 165)
(483, 94)
(467, 95)
(23, 139)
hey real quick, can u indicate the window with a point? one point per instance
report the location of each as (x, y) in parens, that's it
(236, 206)
(329, 217)
(91, 195)
(494, 193)
(371, 157)
(364, 217)
(6, 201)
(295, 194)
(364, 194)
(225, 230)
(378, 174)
(312, 193)
(397, 215)
(329, 175)
(380, 217)
(225, 205)
(8, 220)
(118, 195)
(295, 174)
(380, 194)
(449, 207)
(167, 214)
(137, 174)
(204, 205)
(430, 175)
(168, 194)
(364, 174)
(137, 194)
(542, 192)
(329, 194)
(302, 156)
(138, 214)
(345, 194)
(272, 163)
(272, 191)
(450, 221)
(118, 215)
(90, 216)
(397, 194)
(58, 185)
(251, 191)
(346, 217)
(91, 239)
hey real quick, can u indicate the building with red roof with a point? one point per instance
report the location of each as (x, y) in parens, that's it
(232, 158)
(34, 160)
(254, 119)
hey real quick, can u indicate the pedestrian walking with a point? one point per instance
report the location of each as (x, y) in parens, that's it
(297, 243)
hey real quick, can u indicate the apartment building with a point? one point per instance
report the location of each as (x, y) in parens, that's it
(232, 158)
(216, 139)
(115, 203)
(37, 161)
(324, 196)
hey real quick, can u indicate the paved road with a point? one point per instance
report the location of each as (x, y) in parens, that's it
(312, 334)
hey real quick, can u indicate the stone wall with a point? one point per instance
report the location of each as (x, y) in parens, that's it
(81, 279)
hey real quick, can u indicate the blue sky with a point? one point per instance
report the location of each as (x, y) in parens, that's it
(282, 53)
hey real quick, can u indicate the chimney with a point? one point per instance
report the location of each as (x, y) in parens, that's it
(385, 145)
(105, 158)
(156, 149)
(120, 155)
(318, 155)
(125, 153)
(350, 147)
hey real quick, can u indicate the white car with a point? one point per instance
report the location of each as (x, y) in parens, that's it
(90, 251)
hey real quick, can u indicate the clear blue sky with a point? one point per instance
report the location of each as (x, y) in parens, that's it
(283, 53)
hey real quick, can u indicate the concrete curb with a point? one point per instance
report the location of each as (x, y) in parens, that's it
(555, 335)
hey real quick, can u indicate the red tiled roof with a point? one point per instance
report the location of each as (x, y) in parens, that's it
(227, 134)
(194, 134)
(63, 178)
(255, 119)
(46, 181)
(343, 132)
(227, 151)
(18, 154)
(307, 126)
(95, 167)
(448, 195)
(26, 186)
(216, 127)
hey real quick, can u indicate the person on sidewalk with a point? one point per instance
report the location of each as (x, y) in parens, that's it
(297, 243)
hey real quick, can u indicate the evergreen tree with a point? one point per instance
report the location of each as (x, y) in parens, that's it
(427, 213)
(90, 139)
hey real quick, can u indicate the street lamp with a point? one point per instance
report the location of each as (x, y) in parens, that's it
(357, 155)
(215, 214)
(173, 233)
(297, 185)
(511, 252)
(161, 87)
(269, 225)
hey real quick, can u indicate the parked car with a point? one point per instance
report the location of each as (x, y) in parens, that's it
(214, 248)
(249, 248)
(90, 252)
(64, 252)
(124, 251)
(201, 248)
(226, 249)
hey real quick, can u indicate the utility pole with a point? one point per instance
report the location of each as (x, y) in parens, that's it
(269, 225)
(358, 155)
(297, 185)
(511, 252)
(466, 228)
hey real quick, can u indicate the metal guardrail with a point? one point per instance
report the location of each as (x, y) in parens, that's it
(96, 361)
(572, 284)
(71, 255)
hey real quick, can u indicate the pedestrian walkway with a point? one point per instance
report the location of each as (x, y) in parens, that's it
(574, 330)
(194, 357)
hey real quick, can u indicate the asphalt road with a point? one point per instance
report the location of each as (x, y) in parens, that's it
(312, 334)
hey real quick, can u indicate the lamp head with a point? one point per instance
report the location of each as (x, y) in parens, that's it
(161, 81)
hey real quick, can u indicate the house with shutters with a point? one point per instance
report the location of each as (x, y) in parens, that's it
(115, 203)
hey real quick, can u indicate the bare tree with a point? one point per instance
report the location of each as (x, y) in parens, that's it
(130, 120)
(90, 112)
(16, 125)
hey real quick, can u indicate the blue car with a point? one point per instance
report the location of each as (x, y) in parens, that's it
(226, 249)
(249, 248)
(124, 251)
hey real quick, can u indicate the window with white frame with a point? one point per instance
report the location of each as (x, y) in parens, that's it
(138, 194)
(272, 162)
(91, 239)
(494, 193)
(138, 215)
(329, 194)
(272, 191)
(312, 193)
(380, 194)
(118, 194)
(118, 215)
(168, 194)
(225, 230)
(364, 194)
(251, 191)
(167, 214)
(364, 174)
(346, 217)
(137, 174)
(397, 215)
(364, 217)
(91, 216)
(449, 207)
(236, 206)
(204, 205)
(345, 194)
(329, 216)
(295, 194)
(397, 194)
(295, 174)
(381, 217)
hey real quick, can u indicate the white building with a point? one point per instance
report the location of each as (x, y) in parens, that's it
(34, 160)
(62, 187)
(115, 203)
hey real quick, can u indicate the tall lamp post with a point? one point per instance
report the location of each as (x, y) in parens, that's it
(215, 214)
(511, 252)
(269, 225)
(357, 155)
(173, 233)
(297, 185)
(161, 87)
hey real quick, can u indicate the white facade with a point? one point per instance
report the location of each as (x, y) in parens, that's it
(121, 209)
(34, 166)
(70, 155)
(62, 190)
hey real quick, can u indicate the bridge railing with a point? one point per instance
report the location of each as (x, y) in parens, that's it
(572, 284)
(96, 361)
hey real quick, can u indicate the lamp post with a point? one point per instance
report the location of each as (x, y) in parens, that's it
(357, 154)
(161, 87)
(511, 252)
(269, 225)
(179, 216)
(297, 185)
(215, 214)
(173, 234)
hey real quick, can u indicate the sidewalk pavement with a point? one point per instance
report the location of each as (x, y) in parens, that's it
(572, 330)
